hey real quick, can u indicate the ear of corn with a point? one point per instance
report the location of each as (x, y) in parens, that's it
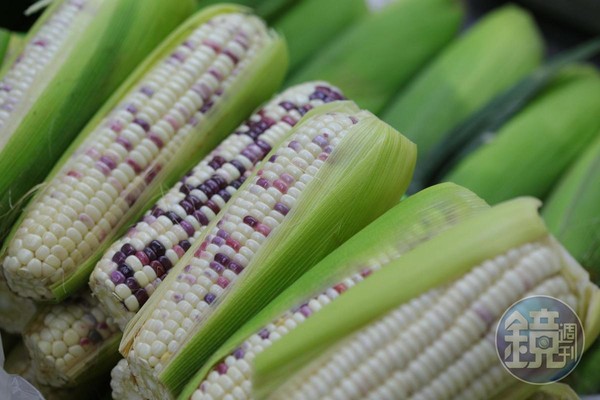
(533, 149)
(195, 88)
(328, 20)
(135, 265)
(296, 208)
(15, 311)
(466, 75)
(78, 49)
(123, 384)
(414, 220)
(19, 363)
(373, 59)
(571, 211)
(72, 342)
(483, 124)
(449, 292)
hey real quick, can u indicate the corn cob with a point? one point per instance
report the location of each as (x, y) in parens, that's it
(414, 220)
(123, 382)
(166, 231)
(424, 326)
(15, 311)
(72, 342)
(295, 209)
(19, 363)
(532, 148)
(197, 86)
(78, 49)
(467, 74)
(349, 61)
(572, 215)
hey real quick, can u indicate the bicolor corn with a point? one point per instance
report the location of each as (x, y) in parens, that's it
(78, 49)
(194, 89)
(435, 337)
(229, 370)
(269, 233)
(135, 265)
(72, 342)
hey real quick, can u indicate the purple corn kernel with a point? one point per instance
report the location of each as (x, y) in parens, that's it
(264, 333)
(125, 270)
(287, 105)
(320, 141)
(287, 178)
(280, 185)
(328, 149)
(212, 44)
(213, 185)
(177, 297)
(238, 165)
(305, 310)
(149, 253)
(219, 241)
(178, 56)
(136, 167)
(235, 268)
(187, 206)
(102, 326)
(273, 158)
(353, 119)
(196, 203)
(323, 156)
(116, 277)
(222, 368)
(204, 188)
(157, 212)
(124, 142)
(128, 249)
(213, 206)
(186, 188)
(224, 195)
(222, 281)
(201, 217)
(40, 42)
(216, 74)
(281, 208)
(145, 125)
(251, 221)
(219, 181)
(289, 120)
(187, 227)
(264, 146)
(141, 296)
(74, 174)
(131, 108)
(249, 155)
(158, 268)
(222, 259)
(230, 54)
(263, 229)
(210, 298)
(143, 257)
(165, 262)
(217, 267)
(294, 145)
(263, 183)
(238, 182)
(239, 353)
(178, 250)
(132, 283)
(84, 341)
(119, 257)
(234, 244)
(185, 245)
(223, 234)
(147, 91)
(156, 140)
(306, 108)
(157, 248)
(94, 336)
(175, 219)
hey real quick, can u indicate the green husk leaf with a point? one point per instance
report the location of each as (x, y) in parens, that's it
(91, 66)
(260, 82)
(571, 211)
(397, 231)
(267, 9)
(327, 21)
(372, 159)
(466, 76)
(484, 235)
(534, 148)
(374, 58)
(4, 43)
(470, 133)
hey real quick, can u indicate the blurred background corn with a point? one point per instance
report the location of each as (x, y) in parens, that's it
(434, 338)
(465, 76)
(135, 265)
(375, 57)
(293, 211)
(78, 49)
(420, 217)
(530, 152)
(192, 91)
(72, 342)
